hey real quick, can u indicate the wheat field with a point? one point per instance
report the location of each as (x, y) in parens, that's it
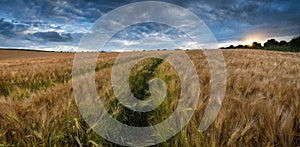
(260, 108)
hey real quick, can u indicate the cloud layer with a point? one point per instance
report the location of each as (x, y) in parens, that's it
(61, 24)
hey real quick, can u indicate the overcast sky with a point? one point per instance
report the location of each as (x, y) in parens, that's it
(59, 25)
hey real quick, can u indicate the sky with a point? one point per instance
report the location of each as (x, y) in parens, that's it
(59, 25)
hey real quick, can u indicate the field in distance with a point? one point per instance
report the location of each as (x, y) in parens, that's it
(260, 108)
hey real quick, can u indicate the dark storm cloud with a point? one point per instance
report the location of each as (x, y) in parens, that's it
(13, 27)
(6, 28)
(21, 27)
(233, 19)
(31, 21)
(71, 11)
(51, 36)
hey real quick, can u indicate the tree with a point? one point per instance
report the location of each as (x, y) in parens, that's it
(247, 46)
(283, 43)
(256, 45)
(271, 43)
(240, 46)
(231, 46)
(295, 44)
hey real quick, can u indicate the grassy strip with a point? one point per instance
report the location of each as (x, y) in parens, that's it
(138, 78)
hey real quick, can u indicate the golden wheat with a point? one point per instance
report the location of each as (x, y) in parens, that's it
(260, 108)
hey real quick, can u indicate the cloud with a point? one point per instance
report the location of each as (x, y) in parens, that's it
(52, 36)
(147, 30)
(6, 28)
(150, 36)
(235, 19)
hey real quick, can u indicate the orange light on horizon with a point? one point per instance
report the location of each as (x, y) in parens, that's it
(257, 37)
(249, 42)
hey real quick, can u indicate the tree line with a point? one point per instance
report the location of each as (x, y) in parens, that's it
(272, 44)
